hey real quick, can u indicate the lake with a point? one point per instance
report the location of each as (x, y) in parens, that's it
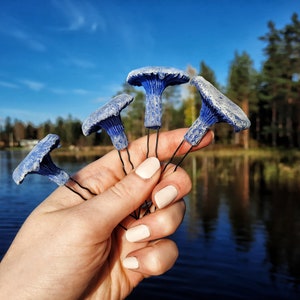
(240, 238)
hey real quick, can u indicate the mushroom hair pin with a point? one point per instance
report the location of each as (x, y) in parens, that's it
(39, 161)
(108, 118)
(155, 80)
(216, 108)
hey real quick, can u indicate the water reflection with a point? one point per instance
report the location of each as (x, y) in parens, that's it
(240, 238)
(257, 193)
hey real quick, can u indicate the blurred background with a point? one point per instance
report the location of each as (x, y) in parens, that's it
(61, 60)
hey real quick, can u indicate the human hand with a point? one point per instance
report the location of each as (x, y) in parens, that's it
(69, 248)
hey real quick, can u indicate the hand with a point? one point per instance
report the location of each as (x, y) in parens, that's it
(69, 248)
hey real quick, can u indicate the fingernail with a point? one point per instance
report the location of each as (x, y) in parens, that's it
(148, 168)
(130, 263)
(137, 233)
(165, 196)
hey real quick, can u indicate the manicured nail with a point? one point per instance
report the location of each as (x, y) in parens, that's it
(148, 168)
(165, 196)
(130, 263)
(137, 233)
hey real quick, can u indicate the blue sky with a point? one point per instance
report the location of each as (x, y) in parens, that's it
(61, 57)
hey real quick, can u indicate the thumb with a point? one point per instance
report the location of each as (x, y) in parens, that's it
(108, 209)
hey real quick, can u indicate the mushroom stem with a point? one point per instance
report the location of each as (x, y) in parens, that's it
(54, 173)
(201, 125)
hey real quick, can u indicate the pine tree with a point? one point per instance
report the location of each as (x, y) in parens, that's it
(241, 87)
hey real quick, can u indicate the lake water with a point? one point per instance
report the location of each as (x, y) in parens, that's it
(240, 238)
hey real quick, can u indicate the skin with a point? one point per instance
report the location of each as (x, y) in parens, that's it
(73, 249)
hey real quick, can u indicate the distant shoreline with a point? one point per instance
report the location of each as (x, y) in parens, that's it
(210, 151)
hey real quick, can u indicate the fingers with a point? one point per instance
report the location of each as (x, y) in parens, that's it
(157, 225)
(108, 209)
(154, 259)
(106, 171)
(171, 187)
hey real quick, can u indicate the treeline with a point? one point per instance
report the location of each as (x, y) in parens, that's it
(269, 96)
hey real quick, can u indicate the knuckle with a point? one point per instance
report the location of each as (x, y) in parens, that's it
(166, 224)
(168, 221)
(122, 190)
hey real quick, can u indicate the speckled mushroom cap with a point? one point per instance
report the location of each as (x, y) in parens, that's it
(216, 108)
(108, 117)
(171, 76)
(155, 80)
(38, 161)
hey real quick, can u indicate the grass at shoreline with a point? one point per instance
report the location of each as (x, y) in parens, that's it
(210, 151)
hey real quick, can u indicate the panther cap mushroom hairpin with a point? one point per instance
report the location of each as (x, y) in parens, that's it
(216, 108)
(155, 80)
(38, 161)
(108, 118)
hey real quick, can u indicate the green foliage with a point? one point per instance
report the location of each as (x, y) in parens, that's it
(241, 78)
(280, 85)
(208, 74)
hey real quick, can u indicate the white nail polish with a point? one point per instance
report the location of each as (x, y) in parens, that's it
(148, 168)
(137, 233)
(165, 196)
(130, 263)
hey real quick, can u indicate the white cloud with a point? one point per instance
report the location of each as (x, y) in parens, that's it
(8, 85)
(33, 85)
(80, 91)
(78, 62)
(58, 91)
(80, 16)
(24, 37)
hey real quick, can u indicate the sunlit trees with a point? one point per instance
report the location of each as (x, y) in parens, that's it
(241, 84)
(280, 85)
(192, 101)
(270, 97)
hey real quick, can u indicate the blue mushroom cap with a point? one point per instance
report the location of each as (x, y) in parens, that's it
(216, 108)
(108, 118)
(170, 76)
(38, 161)
(155, 80)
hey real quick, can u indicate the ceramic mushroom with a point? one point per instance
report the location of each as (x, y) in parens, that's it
(38, 161)
(216, 108)
(155, 80)
(108, 118)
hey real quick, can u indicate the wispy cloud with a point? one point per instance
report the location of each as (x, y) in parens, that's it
(77, 91)
(13, 28)
(24, 37)
(80, 16)
(78, 62)
(80, 91)
(8, 85)
(33, 85)
(58, 91)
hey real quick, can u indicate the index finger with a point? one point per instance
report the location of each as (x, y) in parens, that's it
(106, 171)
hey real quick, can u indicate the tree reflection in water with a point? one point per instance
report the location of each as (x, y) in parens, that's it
(254, 191)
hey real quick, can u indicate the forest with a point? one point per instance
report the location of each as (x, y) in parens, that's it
(269, 96)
